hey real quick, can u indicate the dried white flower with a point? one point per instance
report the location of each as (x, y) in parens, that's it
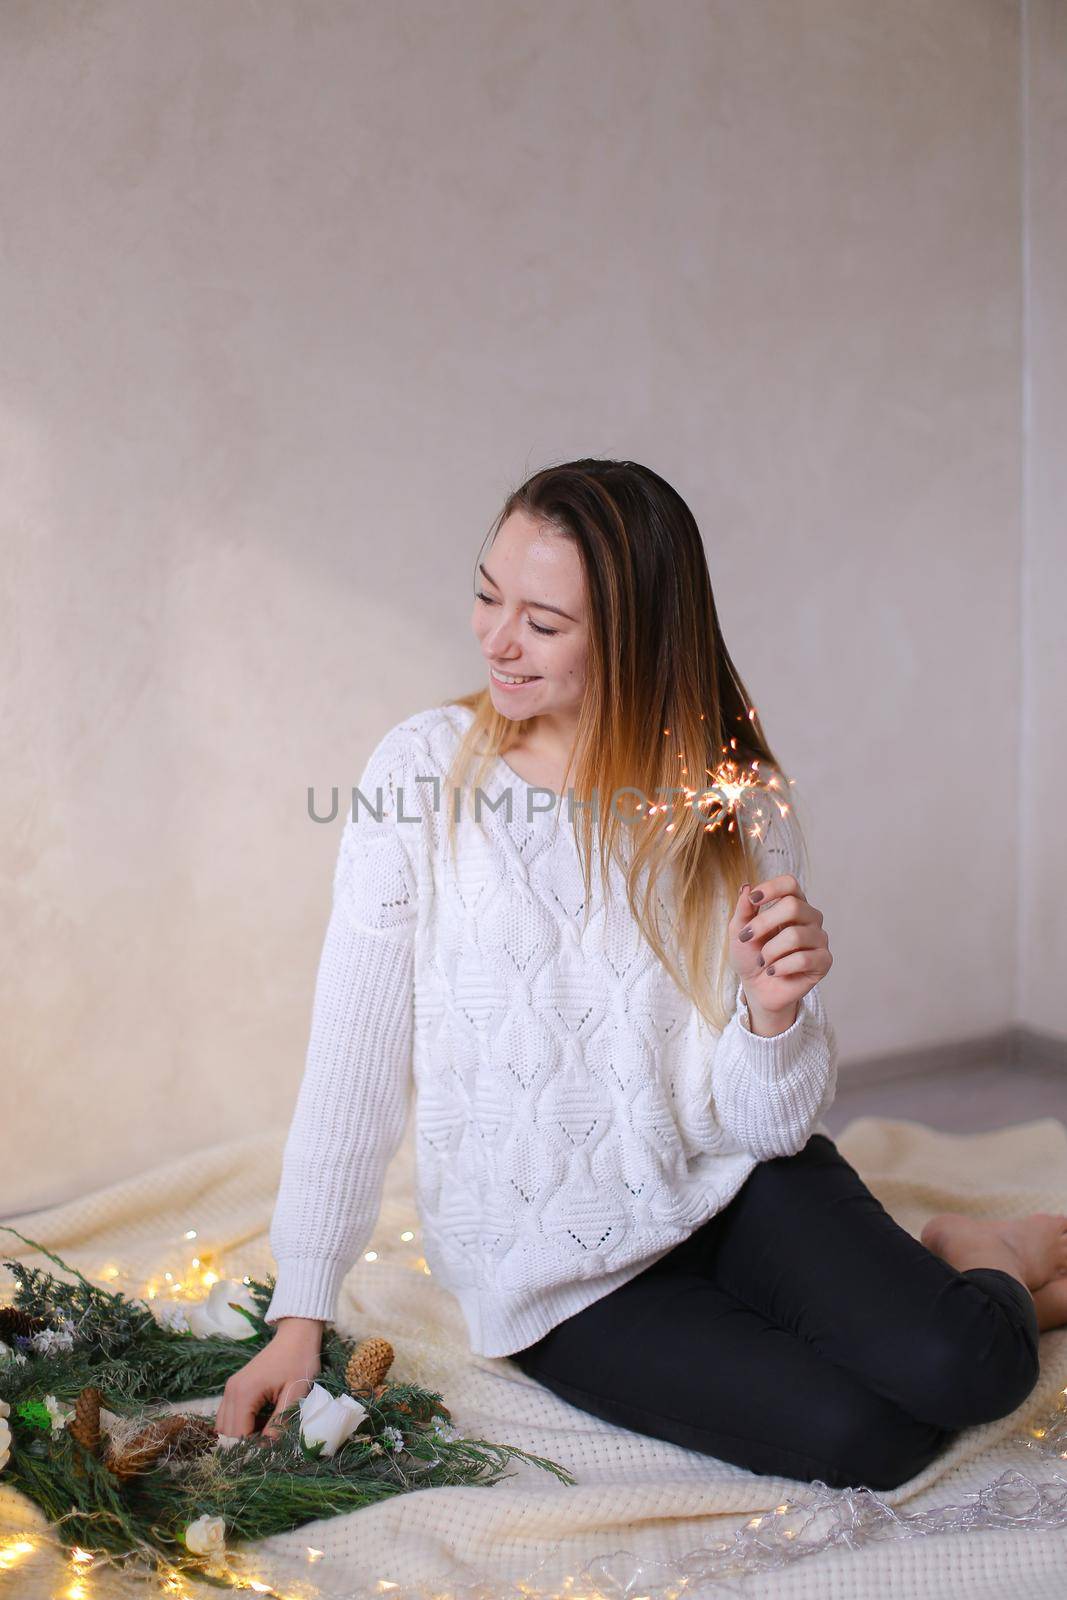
(60, 1413)
(49, 1339)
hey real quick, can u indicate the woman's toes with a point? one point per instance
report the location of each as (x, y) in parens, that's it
(934, 1232)
(1040, 1241)
(1059, 1249)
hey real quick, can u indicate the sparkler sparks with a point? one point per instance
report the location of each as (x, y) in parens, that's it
(729, 795)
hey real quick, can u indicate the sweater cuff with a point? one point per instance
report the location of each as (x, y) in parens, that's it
(776, 1056)
(306, 1286)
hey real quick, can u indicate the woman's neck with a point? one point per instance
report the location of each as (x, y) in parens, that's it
(542, 753)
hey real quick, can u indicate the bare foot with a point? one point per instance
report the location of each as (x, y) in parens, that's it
(1041, 1241)
(1036, 1246)
(1050, 1303)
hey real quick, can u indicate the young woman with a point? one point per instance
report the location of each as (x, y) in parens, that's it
(619, 1079)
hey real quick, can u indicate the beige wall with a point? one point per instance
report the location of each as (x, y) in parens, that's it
(1042, 905)
(293, 294)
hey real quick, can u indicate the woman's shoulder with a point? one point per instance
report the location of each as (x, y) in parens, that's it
(427, 736)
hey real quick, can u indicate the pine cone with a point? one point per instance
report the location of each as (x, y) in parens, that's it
(173, 1436)
(368, 1365)
(15, 1321)
(85, 1423)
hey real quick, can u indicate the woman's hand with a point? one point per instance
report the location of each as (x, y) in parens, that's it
(778, 946)
(280, 1374)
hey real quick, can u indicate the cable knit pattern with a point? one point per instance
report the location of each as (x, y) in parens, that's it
(575, 1115)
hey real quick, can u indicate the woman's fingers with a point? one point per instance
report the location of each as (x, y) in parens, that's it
(236, 1415)
(776, 888)
(272, 1426)
(801, 964)
(296, 1389)
(796, 936)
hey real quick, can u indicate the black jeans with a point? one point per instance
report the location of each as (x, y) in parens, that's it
(800, 1332)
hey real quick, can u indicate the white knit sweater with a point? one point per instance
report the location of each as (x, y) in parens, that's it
(575, 1115)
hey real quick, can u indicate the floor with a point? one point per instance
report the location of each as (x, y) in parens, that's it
(960, 1101)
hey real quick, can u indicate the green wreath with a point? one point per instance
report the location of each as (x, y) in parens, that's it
(84, 1372)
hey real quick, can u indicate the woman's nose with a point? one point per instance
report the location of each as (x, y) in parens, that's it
(500, 638)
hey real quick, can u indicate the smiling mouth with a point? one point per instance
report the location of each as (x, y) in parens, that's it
(512, 681)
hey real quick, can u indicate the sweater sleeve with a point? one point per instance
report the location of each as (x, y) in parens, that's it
(355, 1094)
(771, 1093)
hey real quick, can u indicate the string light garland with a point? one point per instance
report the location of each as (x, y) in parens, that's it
(159, 1491)
(814, 1520)
(802, 1527)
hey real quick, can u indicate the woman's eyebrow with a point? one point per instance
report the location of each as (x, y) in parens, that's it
(540, 604)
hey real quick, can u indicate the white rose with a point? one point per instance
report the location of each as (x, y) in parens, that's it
(172, 1314)
(5, 1436)
(6, 1353)
(329, 1420)
(215, 1316)
(59, 1413)
(206, 1536)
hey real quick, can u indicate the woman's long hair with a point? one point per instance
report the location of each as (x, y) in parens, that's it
(664, 707)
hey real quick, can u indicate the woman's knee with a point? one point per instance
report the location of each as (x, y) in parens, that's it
(871, 1443)
(955, 1386)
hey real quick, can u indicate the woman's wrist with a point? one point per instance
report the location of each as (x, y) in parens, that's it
(302, 1330)
(768, 1024)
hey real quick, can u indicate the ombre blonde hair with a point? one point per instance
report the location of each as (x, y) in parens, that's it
(664, 707)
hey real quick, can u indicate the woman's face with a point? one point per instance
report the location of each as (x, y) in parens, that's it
(530, 620)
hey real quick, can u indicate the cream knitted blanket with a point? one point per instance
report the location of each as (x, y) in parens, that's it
(654, 1500)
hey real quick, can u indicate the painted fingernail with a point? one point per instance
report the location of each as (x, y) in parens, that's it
(746, 935)
(770, 972)
(762, 962)
(756, 895)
